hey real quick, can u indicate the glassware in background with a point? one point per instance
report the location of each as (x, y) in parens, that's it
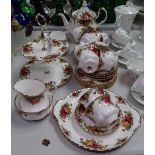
(38, 4)
(18, 15)
(56, 19)
(109, 5)
(67, 8)
(141, 35)
(49, 8)
(27, 9)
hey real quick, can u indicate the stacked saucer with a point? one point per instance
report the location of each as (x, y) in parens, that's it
(96, 119)
(33, 101)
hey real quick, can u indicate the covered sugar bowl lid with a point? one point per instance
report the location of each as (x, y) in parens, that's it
(84, 13)
(104, 112)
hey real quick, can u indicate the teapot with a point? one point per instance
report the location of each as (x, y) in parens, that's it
(125, 15)
(85, 18)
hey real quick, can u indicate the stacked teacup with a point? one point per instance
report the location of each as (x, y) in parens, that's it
(97, 62)
(32, 101)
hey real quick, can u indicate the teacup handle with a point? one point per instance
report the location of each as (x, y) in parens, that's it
(103, 21)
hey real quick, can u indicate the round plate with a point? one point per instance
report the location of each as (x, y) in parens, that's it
(33, 113)
(33, 49)
(50, 71)
(64, 111)
(81, 114)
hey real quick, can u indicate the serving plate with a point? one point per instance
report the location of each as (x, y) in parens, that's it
(33, 49)
(64, 111)
(54, 72)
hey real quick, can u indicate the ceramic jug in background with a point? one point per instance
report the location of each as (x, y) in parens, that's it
(125, 15)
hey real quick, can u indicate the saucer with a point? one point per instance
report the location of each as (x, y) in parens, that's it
(91, 82)
(82, 113)
(33, 49)
(54, 72)
(64, 111)
(30, 111)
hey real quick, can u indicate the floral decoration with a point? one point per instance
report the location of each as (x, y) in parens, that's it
(27, 48)
(65, 111)
(85, 96)
(127, 120)
(75, 93)
(68, 70)
(56, 43)
(120, 99)
(66, 132)
(121, 141)
(91, 143)
(25, 71)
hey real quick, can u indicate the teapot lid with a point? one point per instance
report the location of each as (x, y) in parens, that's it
(84, 13)
(129, 8)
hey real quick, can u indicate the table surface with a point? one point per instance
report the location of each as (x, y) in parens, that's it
(27, 136)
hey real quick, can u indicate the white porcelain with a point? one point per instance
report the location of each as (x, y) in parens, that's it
(78, 14)
(103, 113)
(137, 89)
(54, 72)
(77, 29)
(135, 67)
(56, 49)
(125, 15)
(120, 38)
(109, 60)
(85, 140)
(33, 112)
(82, 14)
(58, 35)
(88, 61)
(30, 87)
(96, 37)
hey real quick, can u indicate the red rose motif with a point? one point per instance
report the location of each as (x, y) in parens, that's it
(106, 99)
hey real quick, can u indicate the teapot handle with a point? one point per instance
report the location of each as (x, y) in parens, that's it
(103, 21)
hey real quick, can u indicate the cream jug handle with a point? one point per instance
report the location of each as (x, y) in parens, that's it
(103, 21)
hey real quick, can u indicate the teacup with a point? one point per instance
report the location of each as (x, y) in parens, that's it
(109, 60)
(88, 61)
(135, 67)
(103, 113)
(95, 37)
(30, 88)
(120, 38)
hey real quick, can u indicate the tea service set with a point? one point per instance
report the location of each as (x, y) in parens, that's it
(93, 118)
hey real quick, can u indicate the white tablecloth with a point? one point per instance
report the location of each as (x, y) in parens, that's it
(27, 136)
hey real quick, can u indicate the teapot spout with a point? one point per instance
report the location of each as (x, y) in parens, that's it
(65, 21)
